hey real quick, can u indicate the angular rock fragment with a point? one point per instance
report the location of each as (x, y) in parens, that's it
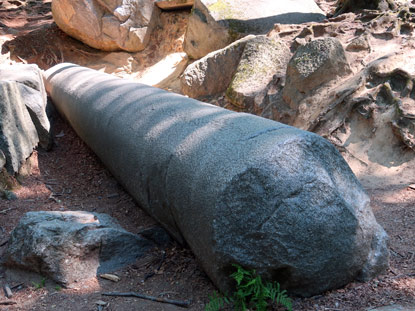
(213, 73)
(314, 64)
(72, 246)
(263, 60)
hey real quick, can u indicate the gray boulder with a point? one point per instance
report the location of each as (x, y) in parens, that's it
(314, 64)
(214, 24)
(213, 73)
(239, 189)
(72, 246)
(32, 90)
(18, 135)
(108, 25)
(263, 60)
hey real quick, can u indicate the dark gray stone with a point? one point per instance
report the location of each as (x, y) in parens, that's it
(72, 246)
(239, 189)
(18, 135)
(157, 235)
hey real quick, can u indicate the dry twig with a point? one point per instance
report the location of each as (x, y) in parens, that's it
(180, 303)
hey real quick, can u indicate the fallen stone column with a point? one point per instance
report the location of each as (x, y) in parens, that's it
(235, 187)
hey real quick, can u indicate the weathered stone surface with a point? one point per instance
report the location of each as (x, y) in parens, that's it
(2, 160)
(236, 187)
(18, 136)
(393, 308)
(32, 91)
(71, 246)
(214, 24)
(174, 4)
(263, 60)
(318, 62)
(213, 73)
(165, 72)
(107, 24)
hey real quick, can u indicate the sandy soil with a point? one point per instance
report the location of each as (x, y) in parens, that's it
(70, 177)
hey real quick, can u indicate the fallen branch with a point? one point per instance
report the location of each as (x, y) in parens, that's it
(7, 209)
(8, 302)
(184, 304)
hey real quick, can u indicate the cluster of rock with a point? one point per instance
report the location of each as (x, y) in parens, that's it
(261, 189)
(326, 77)
(23, 120)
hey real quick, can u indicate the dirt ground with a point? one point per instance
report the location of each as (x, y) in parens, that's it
(71, 177)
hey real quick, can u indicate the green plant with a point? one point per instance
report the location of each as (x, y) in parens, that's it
(39, 285)
(58, 288)
(216, 302)
(250, 292)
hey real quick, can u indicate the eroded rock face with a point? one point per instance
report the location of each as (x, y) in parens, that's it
(214, 24)
(32, 90)
(237, 188)
(18, 135)
(313, 64)
(107, 24)
(72, 246)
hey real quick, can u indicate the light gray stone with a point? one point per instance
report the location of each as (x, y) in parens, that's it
(239, 189)
(263, 60)
(18, 135)
(108, 25)
(213, 73)
(2, 160)
(32, 91)
(72, 246)
(214, 24)
(318, 62)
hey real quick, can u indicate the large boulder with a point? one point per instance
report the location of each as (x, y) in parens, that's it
(214, 24)
(263, 60)
(32, 90)
(72, 246)
(213, 73)
(108, 25)
(239, 189)
(314, 65)
(18, 135)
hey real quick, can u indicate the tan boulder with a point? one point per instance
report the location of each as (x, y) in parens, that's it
(214, 24)
(107, 25)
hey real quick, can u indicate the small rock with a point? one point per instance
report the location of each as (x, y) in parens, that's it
(8, 195)
(101, 303)
(111, 277)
